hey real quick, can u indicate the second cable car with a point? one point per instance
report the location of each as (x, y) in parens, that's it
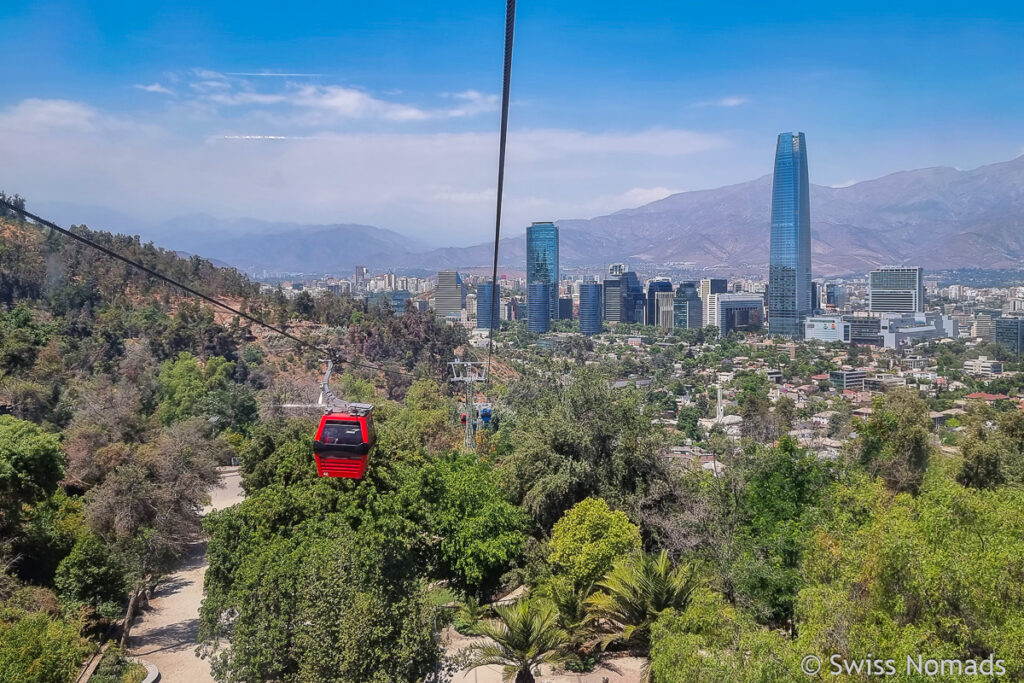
(343, 442)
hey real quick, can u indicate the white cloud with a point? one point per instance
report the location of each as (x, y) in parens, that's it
(314, 104)
(730, 101)
(845, 183)
(638, 196)
(272, 74)
(436, 184)
(246, 98)
(473, 102)
(341, 102)
(154, 88)
(33, 114)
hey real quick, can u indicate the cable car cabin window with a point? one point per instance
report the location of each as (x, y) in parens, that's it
(342, 434)
(349, 437)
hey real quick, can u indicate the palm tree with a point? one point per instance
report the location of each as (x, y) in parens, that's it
(525, 635)
(635, 592)
(570, 604)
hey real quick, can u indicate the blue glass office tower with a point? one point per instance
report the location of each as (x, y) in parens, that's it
(542, 264)
(487, 312)
(590, 307)
(789, 269)
(635, 301)
(538, 307)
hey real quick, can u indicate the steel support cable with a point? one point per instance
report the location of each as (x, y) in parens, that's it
(510, 22)
(194, 292)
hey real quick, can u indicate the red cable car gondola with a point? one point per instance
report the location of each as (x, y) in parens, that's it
(343, 442)
(345, 436)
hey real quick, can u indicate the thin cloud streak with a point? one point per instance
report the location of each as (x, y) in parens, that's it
(729, 102)
(270, 74)
(154, 88)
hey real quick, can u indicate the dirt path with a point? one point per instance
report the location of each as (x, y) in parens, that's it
(165, 634)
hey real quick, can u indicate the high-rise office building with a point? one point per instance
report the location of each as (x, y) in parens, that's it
(654, 286)
(624, 300)
(538, 307)
(688, 310)
(542, 263)
(789, 269)
(449, 295)
(488, 306)
(895, 289)
(636, 301)
(833, 296)
(736, 312)
(709, 286)
(984, 327)
(614, 308)
(565, 308)
(590, 307)
(1010, 335)
(664, 309)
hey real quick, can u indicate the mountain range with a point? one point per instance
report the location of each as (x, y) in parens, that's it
(933, 217)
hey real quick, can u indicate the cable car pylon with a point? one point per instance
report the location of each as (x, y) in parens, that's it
(470, 373)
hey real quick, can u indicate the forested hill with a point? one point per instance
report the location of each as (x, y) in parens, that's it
(119, 396)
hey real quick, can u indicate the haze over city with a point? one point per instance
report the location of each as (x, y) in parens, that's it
(151, 113)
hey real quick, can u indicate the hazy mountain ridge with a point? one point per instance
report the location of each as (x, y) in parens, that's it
(936, 217)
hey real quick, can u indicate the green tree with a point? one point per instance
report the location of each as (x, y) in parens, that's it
(992, 448)
(91, 576)
(785, 412)
(894, 443)
(523, 637)
(687, 422)
(588, 539)
(51, 529)
(38, 648)
(31, 464)
(775, 515)
(480, 534)
(575, 438)
(320, 583)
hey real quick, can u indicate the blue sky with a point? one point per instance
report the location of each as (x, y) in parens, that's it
(386, 112)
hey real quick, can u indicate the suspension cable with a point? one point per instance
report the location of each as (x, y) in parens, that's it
(330, 353)
(510, 22)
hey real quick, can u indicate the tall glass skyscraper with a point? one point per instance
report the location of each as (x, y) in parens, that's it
(542, 263)
(487, 306)
(789, 269)
(590, 307)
